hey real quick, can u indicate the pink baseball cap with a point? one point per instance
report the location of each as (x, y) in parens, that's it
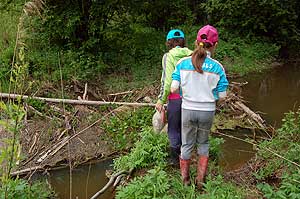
(210, 32)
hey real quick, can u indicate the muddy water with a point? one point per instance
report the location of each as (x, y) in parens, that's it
(86, 181)
(272, 93)
(235, 153)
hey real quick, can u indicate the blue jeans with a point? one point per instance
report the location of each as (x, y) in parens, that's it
(174, 122)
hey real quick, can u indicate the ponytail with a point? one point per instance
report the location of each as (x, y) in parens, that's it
(199, 55)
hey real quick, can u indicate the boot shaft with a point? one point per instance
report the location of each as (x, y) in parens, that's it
(201, 170)
(185, 171)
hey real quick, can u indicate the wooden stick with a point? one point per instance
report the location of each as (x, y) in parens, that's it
(85, 92)
(23, 171)
(70, 101)
(111, 182)
(121, 93)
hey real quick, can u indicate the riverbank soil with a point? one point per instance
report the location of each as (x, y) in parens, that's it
(48, 142)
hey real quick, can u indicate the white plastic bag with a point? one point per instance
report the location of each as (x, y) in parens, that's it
(158, 121)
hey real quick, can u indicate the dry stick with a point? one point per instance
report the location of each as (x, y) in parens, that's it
(87, 181)
(23, 171)
(35, 168)
(265, 148)
(118, 179)
(121, 93)
(70, 166)
(41, 114)
(29, 159)
(33, 144)
(85, 92)
(109, 183)
(70, 101)
(56, 147)
(253, 115)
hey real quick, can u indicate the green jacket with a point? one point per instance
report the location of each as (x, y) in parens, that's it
(169, 62)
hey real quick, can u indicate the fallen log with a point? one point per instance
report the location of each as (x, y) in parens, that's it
(70, 101)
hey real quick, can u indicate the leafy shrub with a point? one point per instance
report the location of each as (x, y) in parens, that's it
(216, 188)
(21, 189)
(155, 184)
(239, 55)
(215, 147)
(149, 150)
(289, 188)
(122, 131)
(286, 144)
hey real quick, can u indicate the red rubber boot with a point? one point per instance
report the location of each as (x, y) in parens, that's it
(201, 171)
(185, 171)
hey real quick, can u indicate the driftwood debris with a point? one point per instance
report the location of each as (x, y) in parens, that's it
(235, 103)
(250, 113)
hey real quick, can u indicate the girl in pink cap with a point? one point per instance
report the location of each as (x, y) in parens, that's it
(203, 82)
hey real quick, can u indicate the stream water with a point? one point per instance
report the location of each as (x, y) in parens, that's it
(86, 181)
(272, 93)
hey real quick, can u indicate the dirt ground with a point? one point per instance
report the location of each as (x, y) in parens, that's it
(49, 143)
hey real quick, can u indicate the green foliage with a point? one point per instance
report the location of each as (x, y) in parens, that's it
(11, 120)
(286, 143)
(289, 188)
(243, 56)
(155, 184)
(11, 116)
(160, 184)
(215, 147)
(8, 30)
(217, 188)
(149, 150)
(21, 189)
(122, 131)
(275, 19)
(178, 190)
(37, 104)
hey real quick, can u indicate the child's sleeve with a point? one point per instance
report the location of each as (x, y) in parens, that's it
(222, 85)
(176, 78)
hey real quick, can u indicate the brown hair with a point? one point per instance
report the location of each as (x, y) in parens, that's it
(172, 43)
(199, 54)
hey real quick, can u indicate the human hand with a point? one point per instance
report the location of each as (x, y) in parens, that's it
(159, 107)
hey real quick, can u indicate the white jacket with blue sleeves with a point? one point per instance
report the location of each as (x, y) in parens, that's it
(200, 91)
